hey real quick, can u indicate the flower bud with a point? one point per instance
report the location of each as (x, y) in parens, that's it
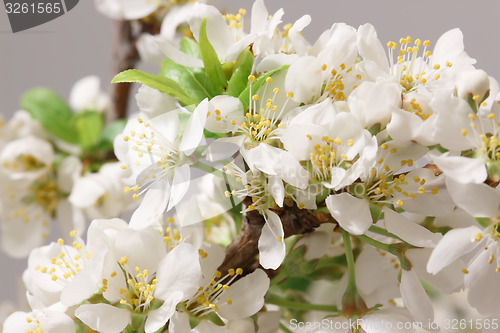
(475, 84)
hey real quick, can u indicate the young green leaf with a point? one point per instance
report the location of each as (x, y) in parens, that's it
(109, 133)
(243, 68)
(190, 47)
(163, 84)
(245, 94)
(51, 111)
(215, 73)
(193, 81)
(88, 125)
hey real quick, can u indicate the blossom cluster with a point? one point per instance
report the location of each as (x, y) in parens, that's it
(346, 178)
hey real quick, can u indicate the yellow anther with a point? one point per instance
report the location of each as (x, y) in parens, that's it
(60, 241)
(399, 203)
(239, 271)
(427, 43)
(269, 80)
(279, 239)
(449, 64)
(323, 67)
(434, 190)
(251, 78)
(465, 271)
(123, 260)
(463, 132)
(135, 196)
(491, 115)
(255, 98)
(126, 190)
(230, 272)
(229, 301)
(478, 237)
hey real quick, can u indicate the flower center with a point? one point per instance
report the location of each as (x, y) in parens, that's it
(262, 121)
(207, 297)
(69, 261)
(328, 155)
(139, 292)
(410, 69)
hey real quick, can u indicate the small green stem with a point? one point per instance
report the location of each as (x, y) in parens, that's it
(397, 249)
(383, 232)
(352, 302)
(375, 243)
(351, 282)
(276, 300)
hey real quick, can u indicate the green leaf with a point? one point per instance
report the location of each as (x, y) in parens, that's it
(190, 47)
(51, 111)
(193, 81)
(109, 134)
(245, 94)
(88, 125)
(163, 84)
(213, 67)
(243, 68)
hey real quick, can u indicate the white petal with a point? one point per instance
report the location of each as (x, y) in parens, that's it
(152, 205)
(206, 326)
(353, 214)
(144, 248)
(153, 102)
(193, 133)
(247, 295)
(277, 190)
(462, 169)
(179, 271)
(103, 318)
(304, 90)
(449, 279)
(484, 284)
(85, 192)
(409, 231)
(479, 200)
(370, 47)
(271, 242)
(179, 323)
(159, 317)
(176, 55)
(454, 244)
(415, 298)
(180, 185)
(224, 148)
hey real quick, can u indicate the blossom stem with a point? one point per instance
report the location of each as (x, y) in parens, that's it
(276, 300)
(375, 243)
(383, 232)
(351, 284)
(352, 302)
(397, 249)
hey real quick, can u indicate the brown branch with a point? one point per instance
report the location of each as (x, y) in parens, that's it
(243, 250)
(124, 56)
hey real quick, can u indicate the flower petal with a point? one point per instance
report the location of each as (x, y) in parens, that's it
(179, 271)
(246, 295)
(159, 317)
(353, 214)
(454, 244)
(411, 232)
(271, 242)
(103, 318)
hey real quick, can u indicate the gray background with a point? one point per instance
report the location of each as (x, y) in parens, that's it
(60, 52)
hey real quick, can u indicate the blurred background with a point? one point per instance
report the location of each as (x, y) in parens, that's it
(77, 44)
